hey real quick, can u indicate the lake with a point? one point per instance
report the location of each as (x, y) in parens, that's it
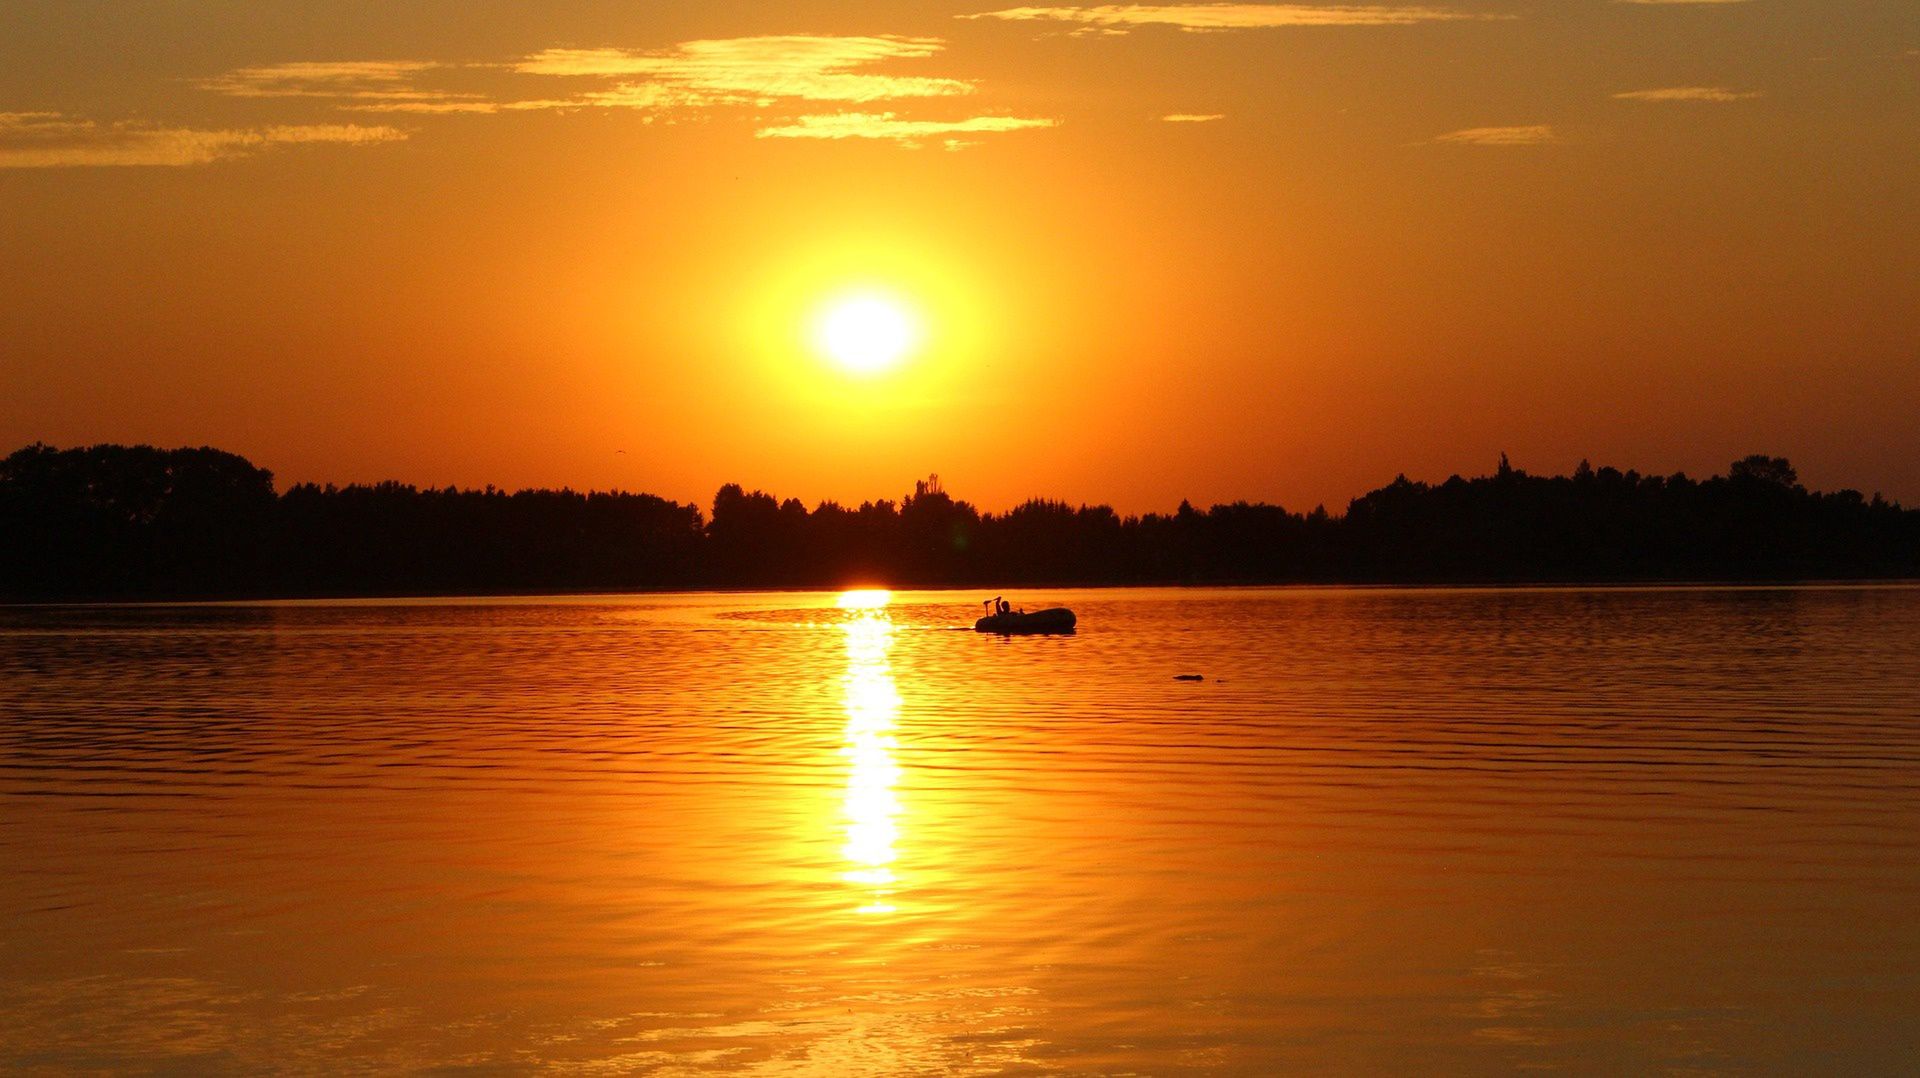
(1393, 831)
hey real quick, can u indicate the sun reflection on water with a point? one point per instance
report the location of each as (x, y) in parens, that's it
(872, 808)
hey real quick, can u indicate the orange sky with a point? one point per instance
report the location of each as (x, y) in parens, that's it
(1213, 251)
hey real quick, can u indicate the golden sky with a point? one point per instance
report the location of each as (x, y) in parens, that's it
(1214, 251)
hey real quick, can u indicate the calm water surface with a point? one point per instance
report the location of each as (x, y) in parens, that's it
(1615, 831)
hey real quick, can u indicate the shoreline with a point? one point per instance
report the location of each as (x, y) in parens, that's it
(408, 598)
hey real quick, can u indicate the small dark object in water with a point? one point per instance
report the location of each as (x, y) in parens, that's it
(1188, 677)
(1053, 620)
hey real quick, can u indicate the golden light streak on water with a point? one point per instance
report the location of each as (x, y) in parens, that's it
(871, 810)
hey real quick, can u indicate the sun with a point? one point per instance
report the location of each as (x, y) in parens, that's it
(866, 332)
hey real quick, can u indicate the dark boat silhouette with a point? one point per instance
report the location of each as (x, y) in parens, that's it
(1003, 619)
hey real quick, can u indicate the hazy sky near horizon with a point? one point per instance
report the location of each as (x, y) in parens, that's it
(1213, 251)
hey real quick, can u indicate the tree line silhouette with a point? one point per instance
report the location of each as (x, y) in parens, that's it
(113, 521)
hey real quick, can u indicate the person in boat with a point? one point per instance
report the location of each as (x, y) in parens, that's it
(1004, 617)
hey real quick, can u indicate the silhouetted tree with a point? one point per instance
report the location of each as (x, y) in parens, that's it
(1764, 470)
(110, 519)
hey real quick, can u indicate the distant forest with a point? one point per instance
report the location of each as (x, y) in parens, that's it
(114, 521)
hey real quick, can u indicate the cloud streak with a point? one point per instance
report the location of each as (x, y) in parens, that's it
(1523, 135)
(357, 85)
(888, 126)
(1192, 117)
(54, 140)
(1121, 18)
(1689, 93)
(334, 78)
(761, 70)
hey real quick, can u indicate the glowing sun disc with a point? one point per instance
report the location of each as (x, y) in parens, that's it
(866, 333)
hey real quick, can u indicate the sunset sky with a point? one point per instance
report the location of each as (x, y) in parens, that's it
(1143, 252)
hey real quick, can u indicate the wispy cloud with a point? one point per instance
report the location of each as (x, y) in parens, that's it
(1689, 93)
(763, 73)
(326, 78)
(1670, 3)
(445, 105)
(54, 140)
(1524, 135)
(358, 85)
(761, 70)
(482, 106)
(886, 125)
(1210, 17)
(1192, 117)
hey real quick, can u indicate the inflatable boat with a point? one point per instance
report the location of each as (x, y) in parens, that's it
(1054, 620)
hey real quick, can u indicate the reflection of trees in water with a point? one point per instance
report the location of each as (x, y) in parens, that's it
(101, 680)
(164, 645)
